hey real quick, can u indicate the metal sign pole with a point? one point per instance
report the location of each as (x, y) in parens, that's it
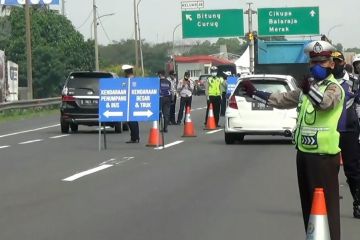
(105, 145)
(99, 135)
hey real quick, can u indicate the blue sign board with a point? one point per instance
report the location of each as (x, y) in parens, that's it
(129, 99)
(231, 84)
(34, 2)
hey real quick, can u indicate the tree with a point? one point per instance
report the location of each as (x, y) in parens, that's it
(57, 49)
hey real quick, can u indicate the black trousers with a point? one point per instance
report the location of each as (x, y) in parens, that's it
(350, 151)
(322, 171)
(223, 104)
(165, 109)
(172, 109)
(184, 102)
(134, 131)
(216, 102)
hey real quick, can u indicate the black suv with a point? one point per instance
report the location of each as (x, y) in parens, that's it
(80, 101)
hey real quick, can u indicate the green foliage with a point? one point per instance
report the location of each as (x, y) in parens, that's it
(355, 50)
(57, 49)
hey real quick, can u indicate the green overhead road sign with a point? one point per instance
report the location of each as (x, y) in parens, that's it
(288, 21)
(213, 23)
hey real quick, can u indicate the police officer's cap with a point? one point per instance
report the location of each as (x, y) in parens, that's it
(227, 73)
(213, 69)
(319, 50)
(126, 67)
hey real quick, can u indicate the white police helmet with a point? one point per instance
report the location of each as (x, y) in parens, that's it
(319, 50)
(126, 67)
(356, 62)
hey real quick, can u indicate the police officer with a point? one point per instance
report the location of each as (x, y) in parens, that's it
(223, 88)
(213, 92)
(349, 130)
(185, 88)
(319, 102)
(173, 79)
(356, 64)
(165, 98)
(133, 125)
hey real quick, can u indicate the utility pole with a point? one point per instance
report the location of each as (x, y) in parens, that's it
(250, 12)
(95, 38)
(136, 37)
(28, 50)
(63, 7)
(140, 43)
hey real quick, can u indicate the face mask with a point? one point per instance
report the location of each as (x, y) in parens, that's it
(338, 71)
(319, 72)
(213, 74)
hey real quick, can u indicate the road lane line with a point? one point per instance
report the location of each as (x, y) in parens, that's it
(87, 172)
(214, 131)
(169, 145)
(60, 136)
(26, 131)
(31, 141)
(6, 146)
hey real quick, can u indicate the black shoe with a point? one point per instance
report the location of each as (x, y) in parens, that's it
(178, 123)
(133, 141)
(165, 130)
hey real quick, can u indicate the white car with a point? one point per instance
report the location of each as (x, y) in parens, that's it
(245, 116)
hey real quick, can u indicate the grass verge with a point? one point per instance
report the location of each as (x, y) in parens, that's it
(22, 114)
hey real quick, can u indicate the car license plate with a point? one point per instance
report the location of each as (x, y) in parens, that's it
(260, 106)
(89, 101)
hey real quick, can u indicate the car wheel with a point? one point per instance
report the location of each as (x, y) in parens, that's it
(118, 127)
(229, 138)
(64, 127)
(74, 127)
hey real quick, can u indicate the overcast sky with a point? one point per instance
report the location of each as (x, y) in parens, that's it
(158, 18)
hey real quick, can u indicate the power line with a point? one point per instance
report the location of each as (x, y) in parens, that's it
(102, 26)
(87, 19)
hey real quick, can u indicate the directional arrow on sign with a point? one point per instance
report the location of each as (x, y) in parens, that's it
(147, 113)
(312, 13)
(113, 114)
(188, 17)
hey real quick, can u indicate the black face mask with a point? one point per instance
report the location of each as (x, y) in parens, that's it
(338, 71)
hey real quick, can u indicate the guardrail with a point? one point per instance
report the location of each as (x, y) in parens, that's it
(24, 104)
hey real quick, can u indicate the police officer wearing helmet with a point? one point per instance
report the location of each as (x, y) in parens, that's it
(349, 130)
(133, 125)
(356, 64)
(213, 92)
(319, 103)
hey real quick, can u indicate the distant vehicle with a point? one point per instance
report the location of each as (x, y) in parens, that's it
(200, 84)
(245, 116)
(80, 101)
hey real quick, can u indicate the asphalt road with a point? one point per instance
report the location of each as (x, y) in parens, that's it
(55, 186)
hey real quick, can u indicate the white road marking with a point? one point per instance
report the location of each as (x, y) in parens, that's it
(214, 131)
(31, 141)
(60, 136)
(169, 145)
(196, 109)
(26, 131)
(87, 172)
(6, 146)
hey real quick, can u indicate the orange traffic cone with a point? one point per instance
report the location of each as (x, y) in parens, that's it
(189, 130)
(210, 122)
(318, 226)
(155, 139)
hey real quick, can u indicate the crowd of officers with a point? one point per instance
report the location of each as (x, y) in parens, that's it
(327, 128)
(173, 90)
